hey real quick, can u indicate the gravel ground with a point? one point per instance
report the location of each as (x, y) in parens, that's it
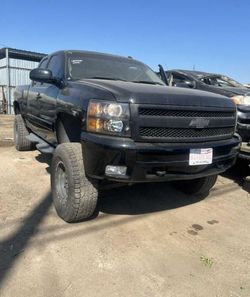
(6, 130)
(148, 240)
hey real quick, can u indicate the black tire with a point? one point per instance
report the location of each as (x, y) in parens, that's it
(74, 196)
(199, 186)
(20, 133)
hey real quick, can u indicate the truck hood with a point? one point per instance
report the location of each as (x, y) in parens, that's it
(140, 93)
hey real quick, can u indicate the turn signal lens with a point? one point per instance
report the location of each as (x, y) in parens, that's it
(95, 124)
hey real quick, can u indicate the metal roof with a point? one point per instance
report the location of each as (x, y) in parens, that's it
(21, 54)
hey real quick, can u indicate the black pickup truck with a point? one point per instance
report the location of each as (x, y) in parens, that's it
(111, 120)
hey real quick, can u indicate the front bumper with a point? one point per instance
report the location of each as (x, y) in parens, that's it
(245, 151)
(243, 124)
(144, 161)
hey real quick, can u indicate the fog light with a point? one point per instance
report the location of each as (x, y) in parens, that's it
(115, 170)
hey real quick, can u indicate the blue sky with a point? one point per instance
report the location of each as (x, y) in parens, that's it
(208, 35)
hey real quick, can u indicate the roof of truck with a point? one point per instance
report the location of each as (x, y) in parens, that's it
(92, 53)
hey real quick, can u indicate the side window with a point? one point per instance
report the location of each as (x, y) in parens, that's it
(56, 66)
(178, 79)
(43, 63)
(181, 80)
(206, 81)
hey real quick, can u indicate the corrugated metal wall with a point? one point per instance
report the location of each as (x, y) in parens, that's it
(19, 74)
(11, 90)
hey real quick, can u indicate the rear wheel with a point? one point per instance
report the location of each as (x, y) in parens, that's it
(20, 133)
(199, 186)
(74, 196)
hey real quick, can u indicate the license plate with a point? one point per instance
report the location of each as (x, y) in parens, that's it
(200, 156)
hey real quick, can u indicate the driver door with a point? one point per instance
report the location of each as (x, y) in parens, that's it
(33, 104)
(48, 99)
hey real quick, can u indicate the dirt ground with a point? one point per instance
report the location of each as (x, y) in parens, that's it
(148, 240)
(6, 130)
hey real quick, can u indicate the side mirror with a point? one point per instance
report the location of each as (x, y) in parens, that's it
(42, 75)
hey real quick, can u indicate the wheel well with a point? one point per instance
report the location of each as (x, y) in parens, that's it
(68, 128)
(16, 107)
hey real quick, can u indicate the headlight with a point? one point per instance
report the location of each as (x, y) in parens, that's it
(108, 118)
(241, 100)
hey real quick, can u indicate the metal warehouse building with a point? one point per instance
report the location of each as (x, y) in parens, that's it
(15, 66)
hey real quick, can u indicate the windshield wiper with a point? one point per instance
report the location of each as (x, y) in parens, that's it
(147, 82)
(107, 78)
(120, 79)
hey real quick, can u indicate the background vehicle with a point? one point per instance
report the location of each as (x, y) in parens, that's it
(112, 120)
(219, 84)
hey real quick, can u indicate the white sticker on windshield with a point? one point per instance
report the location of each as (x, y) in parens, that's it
(76, 61)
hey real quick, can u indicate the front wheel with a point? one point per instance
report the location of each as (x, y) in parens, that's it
(199, 186)
(74, 196)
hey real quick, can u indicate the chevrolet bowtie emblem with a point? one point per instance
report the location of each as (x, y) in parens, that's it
(199, 123)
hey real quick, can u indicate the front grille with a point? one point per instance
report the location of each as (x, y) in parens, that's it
(161, 123)
(184, 133)
(183, 113)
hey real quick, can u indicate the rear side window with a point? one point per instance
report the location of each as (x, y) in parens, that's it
(178, 79)
(56, 66)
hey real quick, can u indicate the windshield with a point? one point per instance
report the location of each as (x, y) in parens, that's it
(221, 81)
(86, 66)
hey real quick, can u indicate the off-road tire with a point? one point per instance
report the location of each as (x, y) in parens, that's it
(20, 133)
(199, 186)
(77, 199)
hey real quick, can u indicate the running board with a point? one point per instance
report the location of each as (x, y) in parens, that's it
(41, 145)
